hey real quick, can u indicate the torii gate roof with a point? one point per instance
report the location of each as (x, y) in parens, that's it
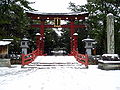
(79, 15)
(71, 13)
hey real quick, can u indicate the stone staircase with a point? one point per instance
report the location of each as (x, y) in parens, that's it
(53, 62)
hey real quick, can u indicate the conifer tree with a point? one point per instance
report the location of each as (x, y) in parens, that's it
(98, 10)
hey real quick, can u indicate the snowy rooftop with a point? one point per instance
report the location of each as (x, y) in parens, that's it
(4, 43)
(71, 13)
(7, 39)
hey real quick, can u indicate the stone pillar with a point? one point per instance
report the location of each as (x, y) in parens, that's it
(110, 34)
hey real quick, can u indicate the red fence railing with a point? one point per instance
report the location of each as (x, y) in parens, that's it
(81, 58)
(28, 58)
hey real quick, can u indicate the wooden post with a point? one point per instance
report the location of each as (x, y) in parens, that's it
(87, 61)
(22, 55)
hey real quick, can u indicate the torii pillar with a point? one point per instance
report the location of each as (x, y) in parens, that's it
(73, 37)
(75, 46)
(72, 30)
(42, 37)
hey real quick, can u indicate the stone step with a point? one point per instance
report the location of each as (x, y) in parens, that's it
(54, 64)
(48, 62)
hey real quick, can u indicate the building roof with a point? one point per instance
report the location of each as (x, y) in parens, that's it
(7, 39)
(2, 43)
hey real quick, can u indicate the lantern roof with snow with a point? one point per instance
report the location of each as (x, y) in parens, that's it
(88, 39)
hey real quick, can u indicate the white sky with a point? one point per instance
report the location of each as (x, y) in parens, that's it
(54, 6)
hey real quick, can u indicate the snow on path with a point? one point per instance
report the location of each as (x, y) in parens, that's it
(62, 79)
(8, 74)
(58, 59)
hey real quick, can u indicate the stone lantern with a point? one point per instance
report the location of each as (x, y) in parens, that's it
(24, 45)
(88, 44)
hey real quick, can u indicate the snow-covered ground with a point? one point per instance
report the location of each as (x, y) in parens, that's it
(17, 78)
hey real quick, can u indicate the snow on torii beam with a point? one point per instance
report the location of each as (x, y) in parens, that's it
(51, 16)
(62, 16)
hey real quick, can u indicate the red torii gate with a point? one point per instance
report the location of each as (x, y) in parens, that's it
(42, 17)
